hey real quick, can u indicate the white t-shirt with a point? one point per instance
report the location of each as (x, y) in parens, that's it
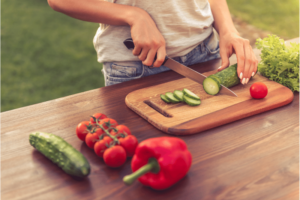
(183, 23)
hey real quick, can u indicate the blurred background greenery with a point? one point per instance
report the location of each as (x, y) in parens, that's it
(275, 16)
(47, 55)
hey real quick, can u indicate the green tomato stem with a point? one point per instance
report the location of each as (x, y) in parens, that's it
(115, 139)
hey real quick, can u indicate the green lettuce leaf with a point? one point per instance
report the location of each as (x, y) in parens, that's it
(279, 62)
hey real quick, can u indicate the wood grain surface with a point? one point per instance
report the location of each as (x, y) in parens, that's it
(182, 119)
(255, 158)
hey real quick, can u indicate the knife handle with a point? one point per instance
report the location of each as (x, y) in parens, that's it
(130, 45)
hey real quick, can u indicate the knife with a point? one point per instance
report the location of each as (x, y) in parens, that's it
(183, 70)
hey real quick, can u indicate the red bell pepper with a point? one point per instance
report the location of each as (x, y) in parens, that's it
(160, 162)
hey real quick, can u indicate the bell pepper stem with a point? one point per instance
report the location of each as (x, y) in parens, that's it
(151, 166)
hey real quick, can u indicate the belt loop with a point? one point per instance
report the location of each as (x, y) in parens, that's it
(203, 48)
(183, 59)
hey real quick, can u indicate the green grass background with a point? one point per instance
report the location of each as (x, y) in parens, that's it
(276, 16)
(46, 55)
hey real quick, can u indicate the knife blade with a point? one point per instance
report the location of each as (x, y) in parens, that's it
(184, 70)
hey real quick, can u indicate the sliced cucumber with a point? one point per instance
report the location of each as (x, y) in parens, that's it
(178, 94)
(185, 95)
(190, 94)
(211, 86)
(164, 98)
(191, 101)
(171, 97)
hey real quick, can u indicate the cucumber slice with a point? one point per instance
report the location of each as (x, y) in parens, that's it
(191, 101)
(215, 78)
(190, 94)
(164, 98)
(171, 97)
(211, 86)
(178, 94)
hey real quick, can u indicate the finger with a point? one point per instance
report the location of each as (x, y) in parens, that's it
(144, 53)
(150, 57)
(248, 62)
(137, 49)
(240, 55)
(225, 60)
(253, 68)
(160, 57)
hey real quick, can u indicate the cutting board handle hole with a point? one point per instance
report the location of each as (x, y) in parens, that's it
(157, 108)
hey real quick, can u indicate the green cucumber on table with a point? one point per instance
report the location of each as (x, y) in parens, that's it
(61, 153)
(227, 77)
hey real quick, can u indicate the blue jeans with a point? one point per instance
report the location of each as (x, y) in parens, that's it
(118, 72)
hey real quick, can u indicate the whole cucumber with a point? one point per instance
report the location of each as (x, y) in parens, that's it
(61, 153)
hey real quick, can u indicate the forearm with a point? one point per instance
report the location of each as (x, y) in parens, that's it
(231, 42)
(147, 38)
(223, 22)
(97, 11)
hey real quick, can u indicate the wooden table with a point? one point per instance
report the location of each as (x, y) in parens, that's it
(253, 158)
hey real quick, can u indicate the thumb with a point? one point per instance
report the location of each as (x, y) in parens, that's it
(225, 60)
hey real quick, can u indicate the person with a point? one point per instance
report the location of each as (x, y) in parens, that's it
(189, 31)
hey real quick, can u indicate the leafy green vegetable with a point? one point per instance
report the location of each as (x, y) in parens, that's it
(279, 62)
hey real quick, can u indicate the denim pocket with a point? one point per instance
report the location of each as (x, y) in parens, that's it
(122, 71)
(213, 50)
(118, 72)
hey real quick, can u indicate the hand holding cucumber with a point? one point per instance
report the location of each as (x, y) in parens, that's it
(246, 60)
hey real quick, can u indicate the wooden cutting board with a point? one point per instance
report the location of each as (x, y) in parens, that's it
(182, 119)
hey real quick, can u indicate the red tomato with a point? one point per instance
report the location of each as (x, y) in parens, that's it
(114, 156)
(108, 123)
(92, 138)
(129, 143)
(82, 129)
(120, 129)
(258, 90)
(97, 116)
(101, 146)
(99, 131)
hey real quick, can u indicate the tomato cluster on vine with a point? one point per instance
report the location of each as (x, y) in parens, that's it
(110, 141)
